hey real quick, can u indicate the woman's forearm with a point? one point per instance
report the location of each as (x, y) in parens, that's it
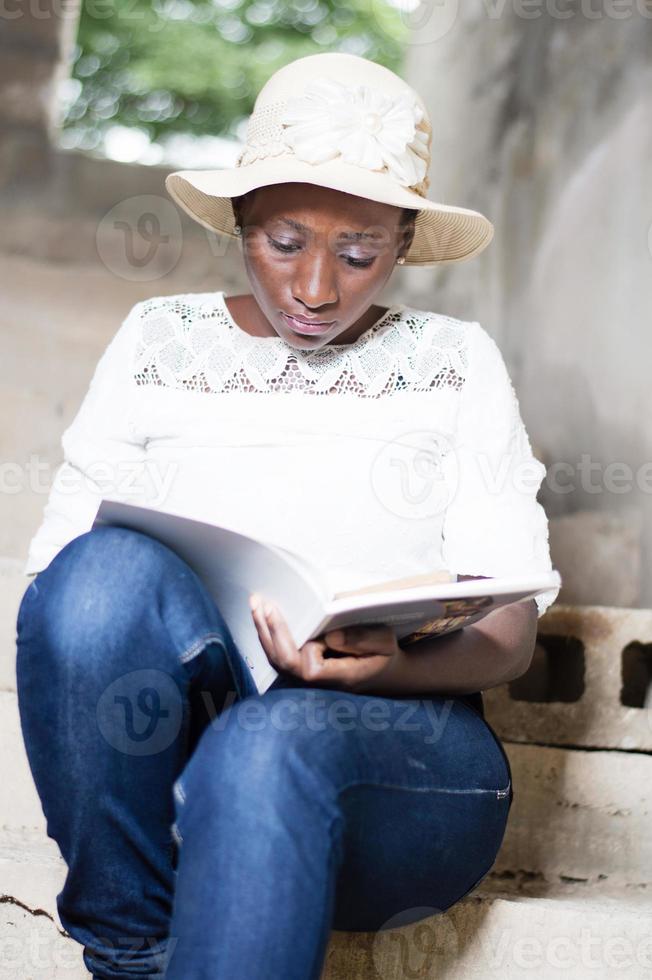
(494, 651)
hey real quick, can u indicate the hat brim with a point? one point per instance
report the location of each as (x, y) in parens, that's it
(443, 233)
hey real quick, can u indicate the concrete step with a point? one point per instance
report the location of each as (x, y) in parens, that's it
(594, 935)
(486, 936)
(579, 814)
(35, 948)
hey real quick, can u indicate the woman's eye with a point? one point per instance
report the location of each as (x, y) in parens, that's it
(281, 247)
(356, 263)
(360, 263)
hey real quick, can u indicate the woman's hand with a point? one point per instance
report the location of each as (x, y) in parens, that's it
(370, 649)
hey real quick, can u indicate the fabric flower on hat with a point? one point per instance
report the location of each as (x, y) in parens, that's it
(362, 126)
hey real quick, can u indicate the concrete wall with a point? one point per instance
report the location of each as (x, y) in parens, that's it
(544, 123)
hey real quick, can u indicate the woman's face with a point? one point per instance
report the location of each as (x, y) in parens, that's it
(321, 254)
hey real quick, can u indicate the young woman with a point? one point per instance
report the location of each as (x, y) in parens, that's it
(218, 825)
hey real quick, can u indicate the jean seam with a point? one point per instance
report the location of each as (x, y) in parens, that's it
(180, 794)
(200, 645)
(425, 789)
(176, 834)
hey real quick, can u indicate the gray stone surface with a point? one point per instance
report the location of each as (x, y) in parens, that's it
(12, 586)
(580, 815)
(500, 937)
(599, 556)
(34, 947)
(480, 937)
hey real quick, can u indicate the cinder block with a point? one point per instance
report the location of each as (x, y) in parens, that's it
(597, 719)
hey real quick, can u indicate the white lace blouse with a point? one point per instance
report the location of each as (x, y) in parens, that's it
(403, 452)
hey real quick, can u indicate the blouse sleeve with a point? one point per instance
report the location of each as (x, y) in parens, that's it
(494, 524)
(101, 453)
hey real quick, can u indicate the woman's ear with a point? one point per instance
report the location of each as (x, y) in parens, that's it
(407, 237)
(409, 234)
(238, 206)
(235, 205)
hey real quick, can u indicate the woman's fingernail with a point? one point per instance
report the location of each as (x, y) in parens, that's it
(253, 600)
(269, 608)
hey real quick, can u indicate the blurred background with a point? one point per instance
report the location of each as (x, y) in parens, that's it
(542, 120)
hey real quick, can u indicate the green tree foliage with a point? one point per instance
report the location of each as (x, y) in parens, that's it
(195, 66)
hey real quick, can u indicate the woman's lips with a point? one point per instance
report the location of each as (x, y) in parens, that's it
(307, 328)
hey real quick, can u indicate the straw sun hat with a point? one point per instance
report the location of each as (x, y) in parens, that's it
(344, 122)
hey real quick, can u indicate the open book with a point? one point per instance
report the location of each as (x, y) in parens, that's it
(232, 565)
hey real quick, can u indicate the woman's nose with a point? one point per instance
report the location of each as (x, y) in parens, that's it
(315, 281)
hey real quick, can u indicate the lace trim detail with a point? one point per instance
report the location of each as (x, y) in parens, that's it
(195, 345)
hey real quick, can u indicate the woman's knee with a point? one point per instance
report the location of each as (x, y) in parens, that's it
(93, 591)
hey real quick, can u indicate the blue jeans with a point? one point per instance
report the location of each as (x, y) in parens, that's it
(213, 832)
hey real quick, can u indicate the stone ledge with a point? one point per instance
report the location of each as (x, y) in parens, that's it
(483, 937)
(579, 815)
(480, 937)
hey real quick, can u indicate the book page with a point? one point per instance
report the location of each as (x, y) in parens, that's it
(401, 583)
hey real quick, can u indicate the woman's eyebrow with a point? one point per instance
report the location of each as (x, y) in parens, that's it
(347, 235)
